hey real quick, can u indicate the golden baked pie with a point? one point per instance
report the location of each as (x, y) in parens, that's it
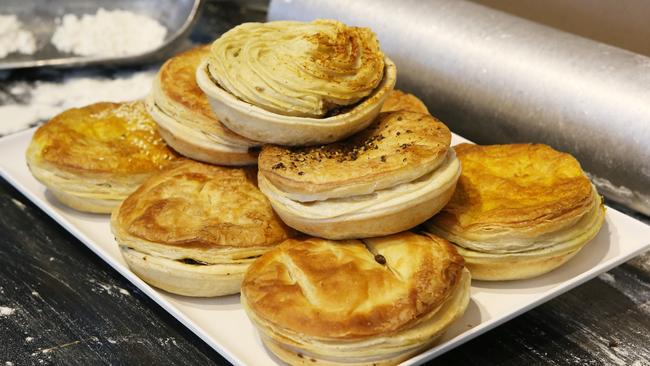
(185, 118)
(296, 83)
(193, 229)
(386, 179)
(373, 301)
(91, 158)
(519, 210)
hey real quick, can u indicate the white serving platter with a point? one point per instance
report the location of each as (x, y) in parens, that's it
(222, 324)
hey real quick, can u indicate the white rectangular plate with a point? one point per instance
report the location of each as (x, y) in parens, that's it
(221, 322)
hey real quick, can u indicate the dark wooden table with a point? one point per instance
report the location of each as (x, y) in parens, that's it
(61, 304)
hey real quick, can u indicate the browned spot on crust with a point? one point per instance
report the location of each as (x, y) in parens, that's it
(117, 139)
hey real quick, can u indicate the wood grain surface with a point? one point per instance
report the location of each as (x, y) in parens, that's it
(61, 304)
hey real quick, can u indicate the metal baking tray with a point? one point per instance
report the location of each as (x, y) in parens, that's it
(39, 17)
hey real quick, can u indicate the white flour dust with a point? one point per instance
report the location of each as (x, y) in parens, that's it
(6, 311)
(108, 33)
(13, 38)
(608, 278)
(51, 98)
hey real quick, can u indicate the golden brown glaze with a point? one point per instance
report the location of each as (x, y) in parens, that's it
(528, 187)
(399, 101)
(396, 143)
(114, 139)
(178, 82)
(351, 289)
(197, 205)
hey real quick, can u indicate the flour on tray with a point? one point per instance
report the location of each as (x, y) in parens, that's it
(77, 90)
(108, 33)
(13, 38)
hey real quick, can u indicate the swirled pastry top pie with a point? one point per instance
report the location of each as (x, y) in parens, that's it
(197, 217)
(298, 68)
(388, 178)
(296, 83)
(185, 117)
(518, 200)
(93, 157)
(329, 301)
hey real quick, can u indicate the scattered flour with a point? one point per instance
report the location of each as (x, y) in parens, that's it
(108, 33)
(105, 287)
(645, 307)
(108, 288)
(5, 311)
(13, 38)
(51, 98)
(608, 278)
(166, 341)
(18, 204)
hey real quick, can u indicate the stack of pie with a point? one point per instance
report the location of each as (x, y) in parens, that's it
(355, 239)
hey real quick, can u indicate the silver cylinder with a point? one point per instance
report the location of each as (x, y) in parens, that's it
(496, 78)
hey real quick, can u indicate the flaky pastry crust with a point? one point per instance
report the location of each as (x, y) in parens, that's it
(540, 257)
(297, 286)
(93, 157)
(182, 95)
(522, 189)
(383, 212)
(195, 205)
(400, 147)
(116, 139)
(186, 119)
(401, 292)
(259, 124)
(194, 228)
(519, 210)
(302, 69)
(400, 101)
(178, 83)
